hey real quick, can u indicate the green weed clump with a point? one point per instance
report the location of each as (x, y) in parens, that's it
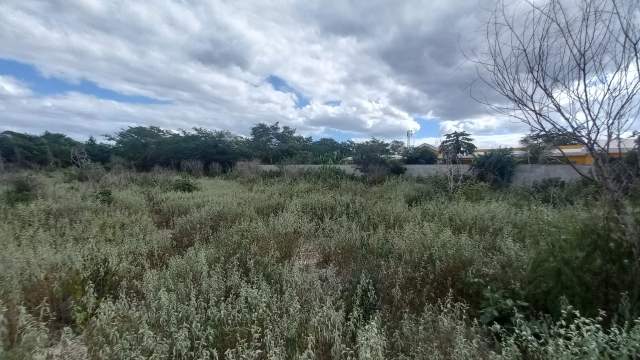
(313, 265)
(184, 184)
(21, 189)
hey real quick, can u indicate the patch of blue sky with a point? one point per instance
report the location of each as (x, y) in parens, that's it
(429, 127)
(51, 85)
(280, 84)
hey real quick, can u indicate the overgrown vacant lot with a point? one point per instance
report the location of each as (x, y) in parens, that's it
(320, 266)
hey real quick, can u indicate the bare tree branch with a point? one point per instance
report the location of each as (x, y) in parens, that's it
(568, 67)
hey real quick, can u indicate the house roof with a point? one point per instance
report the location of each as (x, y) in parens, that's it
(568, 150)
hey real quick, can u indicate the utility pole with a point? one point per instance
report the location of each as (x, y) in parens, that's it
(409, 136)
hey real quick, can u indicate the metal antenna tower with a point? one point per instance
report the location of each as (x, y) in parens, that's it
(409, 138)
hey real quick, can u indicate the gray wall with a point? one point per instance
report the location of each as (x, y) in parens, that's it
(431, 170)
(527, 174)
(292, 169)
(524, 175)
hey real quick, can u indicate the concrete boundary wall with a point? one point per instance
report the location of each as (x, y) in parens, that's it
(528, 174)
(525, 174)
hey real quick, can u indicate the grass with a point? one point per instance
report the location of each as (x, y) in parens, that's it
(312, 266)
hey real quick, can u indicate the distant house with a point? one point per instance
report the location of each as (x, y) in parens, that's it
(576, 154)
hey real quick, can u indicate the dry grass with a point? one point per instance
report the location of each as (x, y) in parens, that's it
(269, 268)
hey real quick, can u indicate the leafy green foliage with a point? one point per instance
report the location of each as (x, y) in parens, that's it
(590, 255)
(495, 167)
(98, 152)
(272, 144)
(572, 337)
(556, 192)
(185, 184)
(456, 144)
(372, 158)
(539, 145)
(49, 149)
(329, 152)
(22, 189)
(146, 147)
(396, 167)
(421, 155)
(104, 196)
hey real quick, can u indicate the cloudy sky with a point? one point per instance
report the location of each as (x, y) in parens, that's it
(343, 69)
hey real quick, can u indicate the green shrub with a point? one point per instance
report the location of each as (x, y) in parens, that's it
(473, 191)
(184, 184)
(441, 331)
(571, 337)
(22, 189)
(327, 174)
(557, 192)
(495, 167)
(396, 167)
(104, 196)
(421, 155)
(583, 254)
(88, 172)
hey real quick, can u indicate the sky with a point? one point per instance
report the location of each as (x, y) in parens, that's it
(342, 69)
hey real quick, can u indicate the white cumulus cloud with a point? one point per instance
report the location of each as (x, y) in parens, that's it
(368, 68)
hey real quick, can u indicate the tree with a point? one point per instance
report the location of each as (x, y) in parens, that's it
(144, 146)
(421, 154)
(574, 68)
(329, 151)
(98, 152)
(59, 147)
(539, 145)
(397, 147)
(553, 138)
(495, 167)
(569, 69)
(369, 157)
(48, 149)
(456, 144)
(273, 144)
(23, 149)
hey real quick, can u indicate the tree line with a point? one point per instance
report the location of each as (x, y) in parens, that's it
(144, 147)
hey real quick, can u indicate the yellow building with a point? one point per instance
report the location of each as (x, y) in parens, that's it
(576, 154)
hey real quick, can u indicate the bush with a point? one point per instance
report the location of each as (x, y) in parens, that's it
(421, 155)
(573, 336)
(473, 191)
(396, 167)
(327, 175)
(496, 167)
(184, 184)
(557, 192)
(581, 254)
(104, 196)
(377, 171)
(22, 189)
(90, 172)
